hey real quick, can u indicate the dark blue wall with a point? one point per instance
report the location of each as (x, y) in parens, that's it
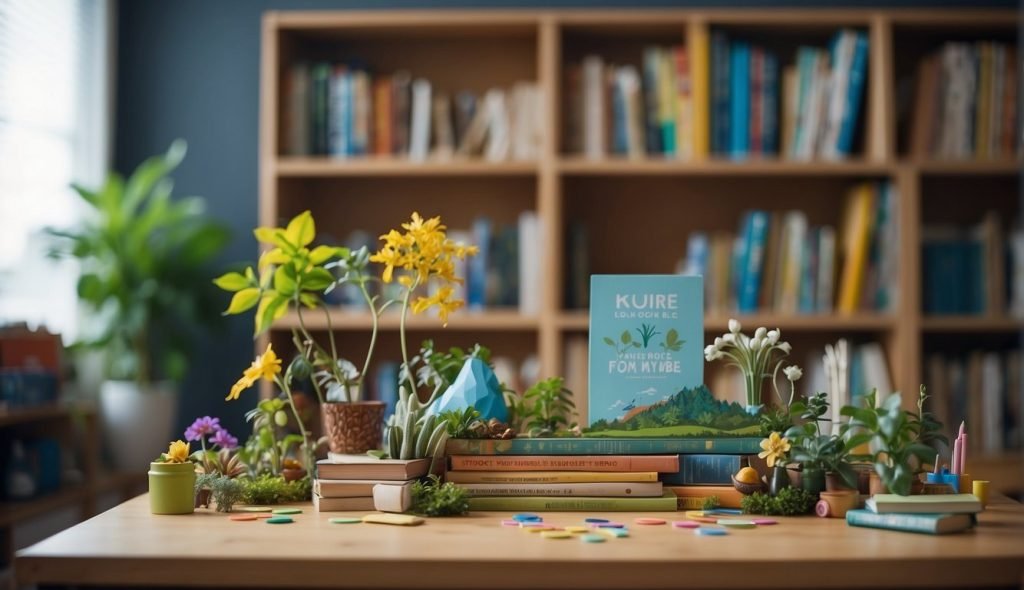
(190, 68)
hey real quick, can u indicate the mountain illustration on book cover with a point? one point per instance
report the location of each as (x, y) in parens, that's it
(647, 364)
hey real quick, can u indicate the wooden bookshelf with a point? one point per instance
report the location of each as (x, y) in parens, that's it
(478, 49)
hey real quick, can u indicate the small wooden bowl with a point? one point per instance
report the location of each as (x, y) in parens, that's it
(747, 488)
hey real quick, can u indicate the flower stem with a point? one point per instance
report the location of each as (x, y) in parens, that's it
(306, 447)
(401, 335)
(375, 318)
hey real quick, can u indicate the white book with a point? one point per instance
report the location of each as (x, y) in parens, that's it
(530, 262)
(628, 81)
(599, 489)
(525, 121)
(825, 296)
(499, 138)
(840, 81)
(419, 132)
(996, 100)
(876, 368)
(396, 497)
(809, 115)
(594, 107)
(339, 116)
(992, 386)
(958, 69)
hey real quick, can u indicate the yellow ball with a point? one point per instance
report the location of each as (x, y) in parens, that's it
(748, 475)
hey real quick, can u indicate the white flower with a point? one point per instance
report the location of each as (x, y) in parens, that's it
(734, 326)
(793, 373)
(773, 337)
(755, 343)
(784, 347)
(729, 338)
(760, 332)
(718, 341)
(709, 350)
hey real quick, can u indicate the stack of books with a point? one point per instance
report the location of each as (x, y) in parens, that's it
(778, 262)
(966, 103)
(344, 111)
(597, 474)
(346, 482)
(935, 515)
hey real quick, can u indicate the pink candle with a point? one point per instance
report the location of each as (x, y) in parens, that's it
(956, 457)
(963, 448)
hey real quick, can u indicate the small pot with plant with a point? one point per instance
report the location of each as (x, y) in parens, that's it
(172, 479)
(216, 458)
(902, 441)
(144, 257)
(816, 452)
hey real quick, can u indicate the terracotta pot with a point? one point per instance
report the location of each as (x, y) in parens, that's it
(353, 427)
(838, 502)
(876, 486)
(293, 474)
(835, 483)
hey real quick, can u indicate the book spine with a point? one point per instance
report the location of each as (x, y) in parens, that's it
(549, 477)
(728, 496)
(770, 112)
(895, 522)
(667, 101)
(756, 123)
(700, 86)
(854, 96)
(757, 235)
(476, 281)
(739, 88)
(704, 470)
(605, 446)
(684, 108)
(720, 123)
(586, 489)
(665, 503)
(321, 87)
(655, 463)
(650, 89)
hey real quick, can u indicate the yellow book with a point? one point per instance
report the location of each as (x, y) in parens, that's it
(549, 477)
(700, 83)
(983, 102)
(857, 226)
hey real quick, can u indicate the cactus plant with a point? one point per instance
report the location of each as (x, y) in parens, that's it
(411, 433)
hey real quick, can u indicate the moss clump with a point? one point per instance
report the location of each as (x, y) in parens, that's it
(270, 489)
(788, 502)
(432, 498)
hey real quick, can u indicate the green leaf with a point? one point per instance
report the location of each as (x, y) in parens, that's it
(232, 281)
(309, 300)
(301, 230)
(626, 338)
(273, 236)
(609, 341)
(283, 281)
(317, 279)
(322, 254)
(671, 337)
(272, 307)
(90, 288)
(243, 300)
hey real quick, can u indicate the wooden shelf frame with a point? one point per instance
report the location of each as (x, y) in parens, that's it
(901, 332)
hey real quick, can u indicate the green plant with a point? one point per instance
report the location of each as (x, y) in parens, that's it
(647, 333)
(672, 341)
(710, 503)
(550, 407)
(432, 498)
(814, 449)
(775, 419)
(273, 489)
(268, 445)
(143, 257)
(411, 433)
(463, 423)
(627, 341)
(758, 357)
(788, 502)
(226, 492)
(902, 440)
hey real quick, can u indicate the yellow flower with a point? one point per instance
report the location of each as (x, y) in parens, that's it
(177, 452)
(774, 449)
(266, 366)
(423, 251)
(442, 299)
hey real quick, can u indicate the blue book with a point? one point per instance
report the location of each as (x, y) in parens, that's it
(720, 127)
(696, 470)
(932, 524)
(652, 134)
(770, 102)
(809, 272)
(340, 113)
(756, 232)
(697, 252)
(854, 94)
(739, 88)
(646, 347)
(476, 281)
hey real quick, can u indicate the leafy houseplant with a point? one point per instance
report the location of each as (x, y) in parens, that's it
(549, 407)
(902, 440)
(758, 358)
(816, 452)
(144, 257)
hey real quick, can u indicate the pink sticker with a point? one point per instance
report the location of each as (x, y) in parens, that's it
(686, 524)
(651, 521)
(509, 522)
(764, 521)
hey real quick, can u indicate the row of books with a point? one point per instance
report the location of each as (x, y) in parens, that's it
(966, 103)
(932, 514)
(362, 482)
(973, 270)
(596, 474)
(985, 387)
(820, 98)
(779, 262)
(343, 110)
(504, 273)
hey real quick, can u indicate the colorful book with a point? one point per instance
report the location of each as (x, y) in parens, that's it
(651, 65)
(704, 470)
(700, 82)
(721, 128)
(739, 89)
(562, 463)
(693, 497)
(932, 524)
(646, 335)
(338, 466)
(550, 477)
(756, 232)
(666, 503)
(854, 95)
(740, 445)
(857, 228)
(651, 489)
(924, 504)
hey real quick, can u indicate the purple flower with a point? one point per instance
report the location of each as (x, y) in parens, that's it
(223, 439)
(202, 427)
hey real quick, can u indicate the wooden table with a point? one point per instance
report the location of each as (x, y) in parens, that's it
(129, 546)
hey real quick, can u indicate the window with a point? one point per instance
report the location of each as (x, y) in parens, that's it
(54, 57)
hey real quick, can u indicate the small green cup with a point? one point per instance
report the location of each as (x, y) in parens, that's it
(172, 488)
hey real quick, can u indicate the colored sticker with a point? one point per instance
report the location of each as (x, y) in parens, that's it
(344, 520)
(709, 532)
(556, 535)
(615, 532)
(592, 538)
(649, 521)
(610, 525)
(737, 524)
(242, 517)
(595, 520)
(252, 508)
(287, 511)
(764, 521)
(279, 520)
(509, 522)
(686, 524)
(525, 517)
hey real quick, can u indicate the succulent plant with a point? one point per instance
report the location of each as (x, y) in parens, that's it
(412, 434)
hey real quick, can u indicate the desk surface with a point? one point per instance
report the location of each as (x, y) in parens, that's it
(128, 545)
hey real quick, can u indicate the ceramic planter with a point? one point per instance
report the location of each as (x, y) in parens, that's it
(143, 415)
(838, 503)
(813, 480)
(779, 479)
(835, 482)
(353, 427)
(172, 488)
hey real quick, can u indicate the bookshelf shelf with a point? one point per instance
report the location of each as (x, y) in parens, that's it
(575, 321)
(969, 324)
(1002, 167)
(326, 167)
(577, 166)
(348, 321)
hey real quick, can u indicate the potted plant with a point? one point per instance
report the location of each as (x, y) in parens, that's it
(902, 441)
(758, 358)
(172, 479)
(215, 458)
(143, 257)
(816, 452)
